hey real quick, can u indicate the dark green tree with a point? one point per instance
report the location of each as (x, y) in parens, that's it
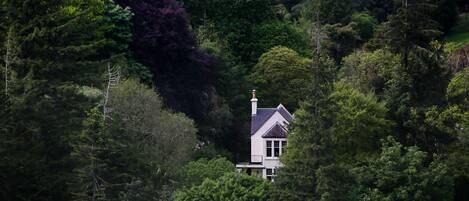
(240, 24)
(446, 14)
(93, 176)
(329, 11)
(56, 55)
(364, 24)
(309, 141)
(410, 30)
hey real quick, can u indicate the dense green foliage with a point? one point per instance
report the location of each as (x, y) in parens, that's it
(280, 76)
(51, 54)
(230, 187)
(459, 35)
(400, 173)
(129, 154)
(148, 100)
(371, 71)
(195, 172)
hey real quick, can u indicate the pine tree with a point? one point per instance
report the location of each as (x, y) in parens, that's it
(90, 183)
(56, 55)
(412, 33)
(308, 141)
(411, 29)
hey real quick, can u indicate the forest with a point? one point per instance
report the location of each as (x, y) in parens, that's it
(148, 100)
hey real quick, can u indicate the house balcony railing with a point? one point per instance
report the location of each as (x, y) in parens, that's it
(257, 159)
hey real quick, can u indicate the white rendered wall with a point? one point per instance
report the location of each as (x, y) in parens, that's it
(271, 162)
(258, 143)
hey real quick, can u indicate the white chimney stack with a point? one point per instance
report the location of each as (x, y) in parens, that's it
(254, 103)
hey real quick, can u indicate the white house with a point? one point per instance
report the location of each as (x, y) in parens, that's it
(269, 129)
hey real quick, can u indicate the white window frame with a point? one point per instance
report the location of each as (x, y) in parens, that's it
(270, 177)
(272, 148)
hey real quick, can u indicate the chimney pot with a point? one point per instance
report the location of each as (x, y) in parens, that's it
(254, 103)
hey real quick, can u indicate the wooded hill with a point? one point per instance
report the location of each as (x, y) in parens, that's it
(149, 99)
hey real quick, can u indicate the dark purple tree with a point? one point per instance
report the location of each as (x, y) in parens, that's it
(183, 75)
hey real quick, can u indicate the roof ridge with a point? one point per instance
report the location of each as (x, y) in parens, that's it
(282, 106)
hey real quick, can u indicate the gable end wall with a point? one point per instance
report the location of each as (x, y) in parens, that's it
(257, 142)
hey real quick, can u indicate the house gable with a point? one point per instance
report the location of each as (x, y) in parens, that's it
(269, 130)
(265, 114)
(276, 131)
(275, 118)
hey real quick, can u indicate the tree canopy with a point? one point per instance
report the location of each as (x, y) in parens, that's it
(148, 100)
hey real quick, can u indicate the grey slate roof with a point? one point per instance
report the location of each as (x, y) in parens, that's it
(263, 114)
(285, 113)
(277, 131)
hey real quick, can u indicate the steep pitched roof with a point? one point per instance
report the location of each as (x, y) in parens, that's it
(284, 112)
(277, 131)
(264, 114)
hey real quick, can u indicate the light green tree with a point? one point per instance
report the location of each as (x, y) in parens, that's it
(230, 187)
(131, 154)
(281, 76)
(195, 172)
(360, 122)
(372, 71)
(400, 173)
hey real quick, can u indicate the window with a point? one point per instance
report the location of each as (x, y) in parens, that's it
(269, 149)
(276, 148)
(270, 174)
(284, 144)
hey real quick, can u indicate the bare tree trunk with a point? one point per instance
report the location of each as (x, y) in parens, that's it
(8, 58)
(113, 79)
(316, 32)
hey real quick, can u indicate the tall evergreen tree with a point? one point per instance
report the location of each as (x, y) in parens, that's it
(56, 55)
(411, 29)
(308, 141)
(411, 32)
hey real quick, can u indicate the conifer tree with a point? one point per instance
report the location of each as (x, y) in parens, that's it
(411, 29)
(90, 150)
(308, 141)
(56, 55)
(412, 33)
